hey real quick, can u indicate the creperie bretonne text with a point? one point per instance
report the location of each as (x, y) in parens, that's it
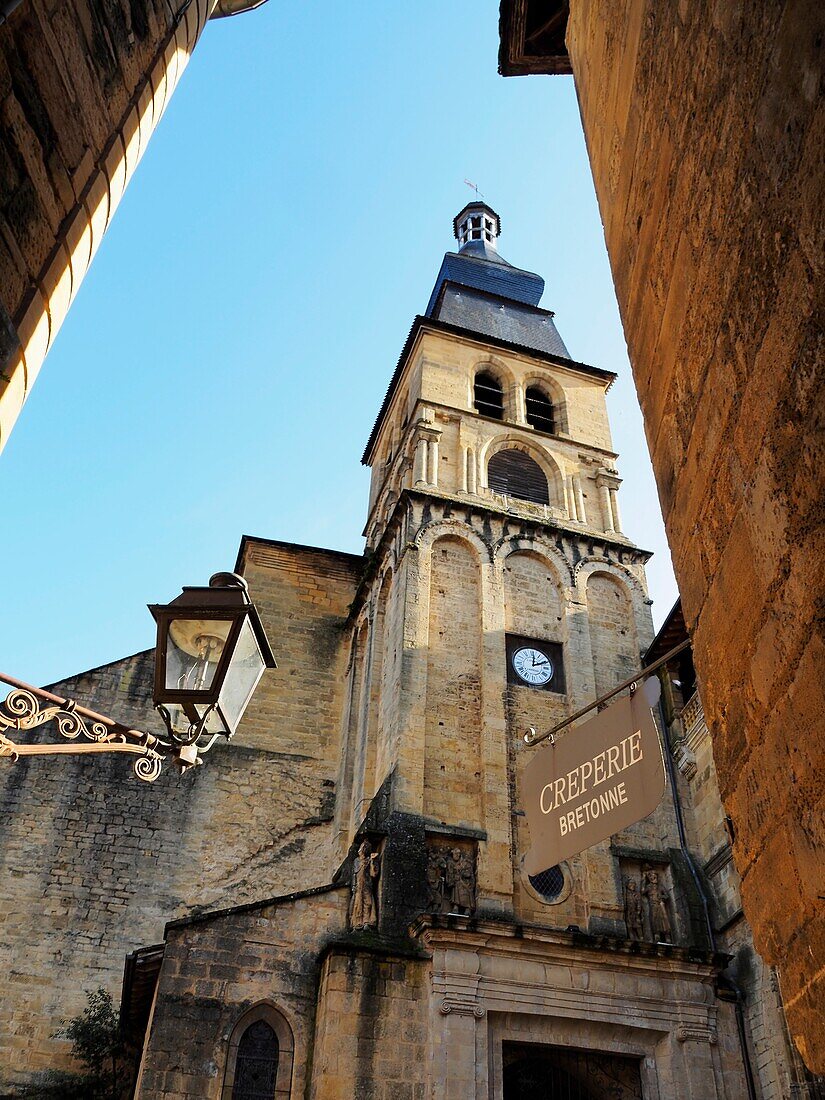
(586, 777)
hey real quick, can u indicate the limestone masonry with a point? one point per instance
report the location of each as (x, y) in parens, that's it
(335, 905)
(705, 126)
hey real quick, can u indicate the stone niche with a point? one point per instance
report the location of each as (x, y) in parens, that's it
(649, 898)
(451, 875)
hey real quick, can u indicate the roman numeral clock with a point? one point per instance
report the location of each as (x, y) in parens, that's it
(535, 663)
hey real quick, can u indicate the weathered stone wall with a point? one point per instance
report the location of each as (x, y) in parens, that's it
(705, 128)
(82, 87)
(773, 1060)
(215, 971)
(371, 1034)
(452, 746)
(93, 863)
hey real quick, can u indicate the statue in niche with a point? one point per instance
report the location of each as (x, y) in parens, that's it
(460, 880)
(436, 887)
(633, 910)
(657, 899)
(363, 911)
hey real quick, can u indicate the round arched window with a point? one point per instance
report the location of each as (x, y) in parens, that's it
(516, 474)
(488, 396)
(539, 410)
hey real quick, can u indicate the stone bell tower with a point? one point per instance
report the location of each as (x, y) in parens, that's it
(406, 950)
(503, 592)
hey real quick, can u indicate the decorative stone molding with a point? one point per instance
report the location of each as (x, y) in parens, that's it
(697, 1033)
(685, 759)
(461, 1008)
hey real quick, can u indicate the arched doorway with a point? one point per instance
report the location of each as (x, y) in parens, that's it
(557, 1073)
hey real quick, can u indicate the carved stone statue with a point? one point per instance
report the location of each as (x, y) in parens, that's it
(363, 911)
(460, 880)
(436, 887)
(633, 910)
(657, 907)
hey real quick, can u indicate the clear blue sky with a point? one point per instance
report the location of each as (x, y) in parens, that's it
(222, 365)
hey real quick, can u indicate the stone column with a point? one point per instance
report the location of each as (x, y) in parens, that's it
(433, 478)
(614, 504)
(608, 482)
(581, 514)
(420, 470)
(607, 513)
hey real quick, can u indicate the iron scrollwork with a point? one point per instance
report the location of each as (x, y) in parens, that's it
(26, 708)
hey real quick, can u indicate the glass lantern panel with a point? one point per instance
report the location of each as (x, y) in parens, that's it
(245, 670)
(193, 650)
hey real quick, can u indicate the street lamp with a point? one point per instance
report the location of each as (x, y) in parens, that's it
(211, 653)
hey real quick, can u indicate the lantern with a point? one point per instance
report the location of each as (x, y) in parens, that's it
(211, 652)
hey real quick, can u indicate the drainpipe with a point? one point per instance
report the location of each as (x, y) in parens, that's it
(738, 998)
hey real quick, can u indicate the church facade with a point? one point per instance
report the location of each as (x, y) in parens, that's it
(347, 910)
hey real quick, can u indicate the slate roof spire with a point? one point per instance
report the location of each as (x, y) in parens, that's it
(478, 290)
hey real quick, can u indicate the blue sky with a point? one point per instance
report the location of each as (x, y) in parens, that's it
(224, 360)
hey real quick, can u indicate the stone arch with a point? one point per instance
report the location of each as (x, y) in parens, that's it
(555, 391)
(590, 564)
(611, 618)
(538, 544)
(283, 1047)
(454, 699)
(533, 595)
(427, 536)
(549, 466)
(386, 677)
(492, 364)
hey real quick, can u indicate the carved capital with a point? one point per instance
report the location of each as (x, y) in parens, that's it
(461, 1008)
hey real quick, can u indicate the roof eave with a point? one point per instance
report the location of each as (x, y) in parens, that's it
(421, 322)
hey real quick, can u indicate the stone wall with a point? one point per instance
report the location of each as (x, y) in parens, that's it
(82, 87)
(215, 970)
(93, 863)
(705, 126)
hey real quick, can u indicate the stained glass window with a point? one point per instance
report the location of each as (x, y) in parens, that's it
(256, 1066)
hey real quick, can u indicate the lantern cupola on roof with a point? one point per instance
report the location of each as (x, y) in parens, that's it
(477, 228)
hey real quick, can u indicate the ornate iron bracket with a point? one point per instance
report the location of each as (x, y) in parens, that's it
(23, 709)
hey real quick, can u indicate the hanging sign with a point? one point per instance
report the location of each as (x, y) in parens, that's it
(595, 781)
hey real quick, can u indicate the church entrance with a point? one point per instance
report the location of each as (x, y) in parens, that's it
(559, 1073)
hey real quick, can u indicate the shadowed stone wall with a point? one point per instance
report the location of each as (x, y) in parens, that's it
(82, 86)
(93, 862)
(705, 127)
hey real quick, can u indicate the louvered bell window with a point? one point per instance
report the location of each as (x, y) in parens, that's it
(515, 474)
(256, 1068)
(488, 396)
(539, 410)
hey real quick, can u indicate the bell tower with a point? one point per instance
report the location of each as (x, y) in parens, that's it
(501, 591)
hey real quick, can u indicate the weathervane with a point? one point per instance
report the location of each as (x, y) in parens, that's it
(474, 187)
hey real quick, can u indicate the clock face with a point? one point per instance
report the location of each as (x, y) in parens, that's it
(532, 666)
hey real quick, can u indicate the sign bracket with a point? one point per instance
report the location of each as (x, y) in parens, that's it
(533, 738)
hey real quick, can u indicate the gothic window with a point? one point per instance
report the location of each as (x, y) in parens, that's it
(256, 1065)
(540, 411)
(260, 1056)
(488, 396)
(515, 474)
